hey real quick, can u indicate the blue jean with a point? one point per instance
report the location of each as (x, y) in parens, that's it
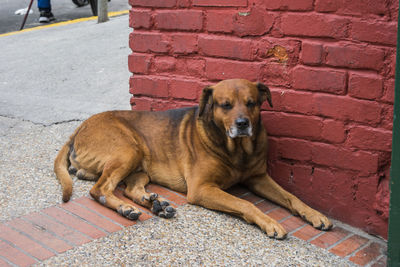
(44, 5)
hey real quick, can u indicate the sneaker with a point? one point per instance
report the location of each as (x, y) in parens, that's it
(46, 17)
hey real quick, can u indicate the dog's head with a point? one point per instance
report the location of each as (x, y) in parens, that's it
(234, 105)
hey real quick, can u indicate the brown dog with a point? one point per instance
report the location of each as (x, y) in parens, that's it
(199, 151)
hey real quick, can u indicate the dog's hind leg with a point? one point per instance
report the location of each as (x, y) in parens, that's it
(115, 170)
(135, 190)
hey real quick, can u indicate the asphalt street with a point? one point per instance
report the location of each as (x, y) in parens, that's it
(63, 10)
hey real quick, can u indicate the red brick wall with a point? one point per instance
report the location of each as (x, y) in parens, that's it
(330, 66)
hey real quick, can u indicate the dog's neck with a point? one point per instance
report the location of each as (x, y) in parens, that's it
(236, 145)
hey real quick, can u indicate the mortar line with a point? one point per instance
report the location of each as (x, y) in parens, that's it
(19, 249)
(340, 241)
(67, 226)
(33, 239)
(50, 232)
(375, 260)
(83, 219)
(7, 261)
(358, 249)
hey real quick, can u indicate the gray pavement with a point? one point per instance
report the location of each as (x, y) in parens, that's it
(50, 80)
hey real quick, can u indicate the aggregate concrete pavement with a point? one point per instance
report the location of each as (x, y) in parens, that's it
(53, 78)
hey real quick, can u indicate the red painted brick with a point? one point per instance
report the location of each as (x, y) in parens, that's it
(147, 42)
(370, 138)
(278, 214)
(354, 56)
(347, 108)
(294, 149)
(74, 222)
(292, 223)
(329, 238)
(388, 95)
(291, 101)
(276, 74)
(220, 3)
(218, 46)
(57, 228)
(374, 32)
(330, 155)
(186, 89)
(183, 3)
(326, 6)
(306, 233)
(24, 243)
(166, 193)
(252, 198)
(14, 255)
(139, 19)
(109, 213)
(218, 69)
(150, 86)
(311, 53)
(281, 124)
(139, 63)
(184, 43)
(219, 21)
(349, 245)
(314, 25)
(163, 64)
(141, 103)
(186, 20)
(190, 67)
(256, 22)
(317, 79)
(333, 131)
(265, 206)
(362, 7)
(365, 86)
(40, 234)
(153, 3)
(299, 5)
(91, 217)
(368, 254)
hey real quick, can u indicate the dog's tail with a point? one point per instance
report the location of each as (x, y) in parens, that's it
(61, 165)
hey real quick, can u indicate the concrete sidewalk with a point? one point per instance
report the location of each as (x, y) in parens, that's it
(50, 80)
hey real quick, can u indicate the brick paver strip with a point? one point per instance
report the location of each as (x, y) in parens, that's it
(237, 190)
(91, 217)
(14, 255)
(306, 233)
(293, 223)
(24, 243)
(4, 263)
(265, 206)
(331, 237)
(349, 245)
(40, 235)
(94, 205)
(74, 222)
(59, 229)
(251, 198)
(278, 214)
(367, 254)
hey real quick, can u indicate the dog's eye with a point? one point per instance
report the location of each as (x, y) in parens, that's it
(226, 105)
(251, 104)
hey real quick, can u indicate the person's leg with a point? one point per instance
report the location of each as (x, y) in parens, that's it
(44, 7)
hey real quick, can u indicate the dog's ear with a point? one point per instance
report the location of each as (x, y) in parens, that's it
(264, 93)
(206, 99)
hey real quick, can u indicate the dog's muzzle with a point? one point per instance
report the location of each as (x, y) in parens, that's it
(241, 128)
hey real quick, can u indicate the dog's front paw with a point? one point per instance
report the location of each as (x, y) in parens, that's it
(163, 209)
(129, 212)
(317, 220)
(273, 229)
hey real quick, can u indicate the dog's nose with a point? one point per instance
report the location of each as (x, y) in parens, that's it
(242, 123)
